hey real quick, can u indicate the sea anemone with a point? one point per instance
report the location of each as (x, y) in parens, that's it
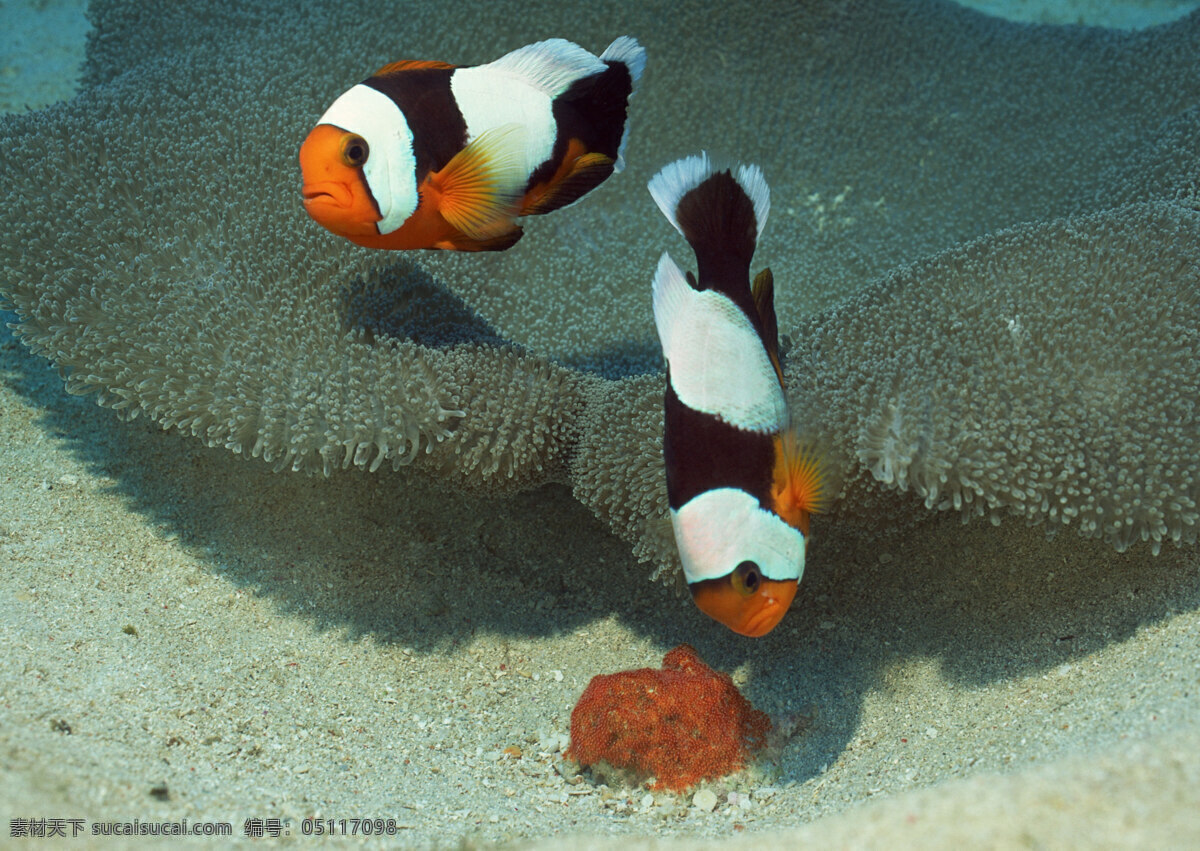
(986, 256)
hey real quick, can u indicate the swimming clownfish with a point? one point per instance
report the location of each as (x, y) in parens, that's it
(433, 155)
(740, 483)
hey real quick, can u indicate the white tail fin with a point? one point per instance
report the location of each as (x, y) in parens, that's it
(682, 176)
(629, 53)
(675, 180)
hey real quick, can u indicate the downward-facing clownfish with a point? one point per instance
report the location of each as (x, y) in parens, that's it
(740, 483)
(432, 155)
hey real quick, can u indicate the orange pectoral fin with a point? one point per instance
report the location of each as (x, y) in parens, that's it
(802, 483)
(479, 190)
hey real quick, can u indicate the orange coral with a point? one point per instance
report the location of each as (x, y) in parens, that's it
(683, 724)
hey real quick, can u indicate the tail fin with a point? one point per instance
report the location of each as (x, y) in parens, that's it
(626, 51)
(720, 213)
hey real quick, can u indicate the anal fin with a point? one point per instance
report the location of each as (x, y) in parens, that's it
(586, 173)
(763, 292)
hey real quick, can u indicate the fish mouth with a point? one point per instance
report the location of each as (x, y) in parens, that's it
(326, 192)
(763, 622)
(775, 601)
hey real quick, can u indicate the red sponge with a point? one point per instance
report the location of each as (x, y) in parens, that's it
(682, 724)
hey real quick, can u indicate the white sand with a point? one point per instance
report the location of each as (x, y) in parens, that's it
(186, 635)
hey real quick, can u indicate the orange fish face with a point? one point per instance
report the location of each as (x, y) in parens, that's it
(745, 600)
(335, 192)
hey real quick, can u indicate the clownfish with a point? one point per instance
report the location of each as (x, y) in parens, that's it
(740, 482)
(433, 155)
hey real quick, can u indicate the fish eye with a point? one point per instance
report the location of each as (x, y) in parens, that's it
(354, 150)
(746, 578)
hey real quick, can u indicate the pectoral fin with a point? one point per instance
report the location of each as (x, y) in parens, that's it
(479, 191)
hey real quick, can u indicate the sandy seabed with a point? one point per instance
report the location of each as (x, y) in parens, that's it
(189, 636)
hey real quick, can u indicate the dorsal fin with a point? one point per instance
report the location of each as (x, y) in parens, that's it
(550, 66)
(763, 292)
(414, 65)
